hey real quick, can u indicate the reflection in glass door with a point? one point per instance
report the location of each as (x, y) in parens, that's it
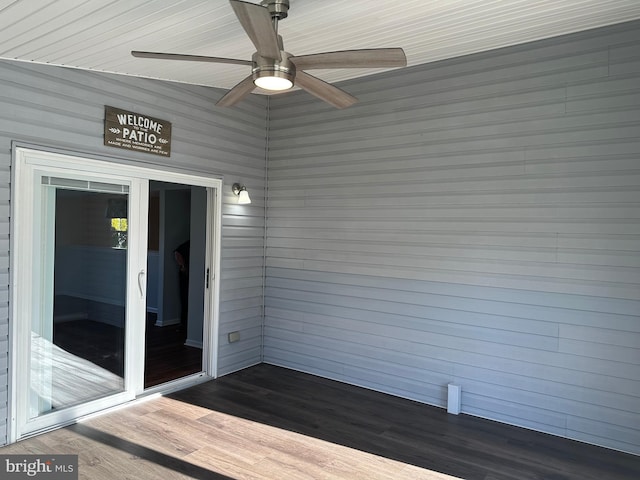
(78, 327)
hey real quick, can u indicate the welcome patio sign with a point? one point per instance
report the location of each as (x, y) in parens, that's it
(134, 131)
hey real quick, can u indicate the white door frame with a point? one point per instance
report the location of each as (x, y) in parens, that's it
(27, 162)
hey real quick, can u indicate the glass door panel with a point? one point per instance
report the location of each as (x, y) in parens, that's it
(77, 341)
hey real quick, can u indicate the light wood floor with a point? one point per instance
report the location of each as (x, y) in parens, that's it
(266, 422)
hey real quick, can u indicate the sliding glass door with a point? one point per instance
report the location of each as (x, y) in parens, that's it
(80, 286)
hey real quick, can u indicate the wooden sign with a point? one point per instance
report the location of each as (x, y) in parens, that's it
(134, 131)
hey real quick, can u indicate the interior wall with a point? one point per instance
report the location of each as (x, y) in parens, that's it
(61, 108)
(197, 271)
(176, 228)
(83, 221)
(474, 221)
(88, 277)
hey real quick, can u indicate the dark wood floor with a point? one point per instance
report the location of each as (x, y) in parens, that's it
(166, 356)
(267, 422)
(97, 342)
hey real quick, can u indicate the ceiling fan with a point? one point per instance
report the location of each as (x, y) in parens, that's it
(275, 69)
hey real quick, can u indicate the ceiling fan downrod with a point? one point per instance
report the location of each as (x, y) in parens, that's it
(277, 8)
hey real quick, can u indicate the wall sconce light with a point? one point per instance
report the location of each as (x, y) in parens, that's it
(241, 192)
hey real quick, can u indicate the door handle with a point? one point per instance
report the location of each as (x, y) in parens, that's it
(140, 284)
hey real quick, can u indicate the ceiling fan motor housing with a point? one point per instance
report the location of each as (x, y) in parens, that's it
(277, 8)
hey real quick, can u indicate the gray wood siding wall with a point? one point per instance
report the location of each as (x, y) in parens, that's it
(474, 221)
(64, 108)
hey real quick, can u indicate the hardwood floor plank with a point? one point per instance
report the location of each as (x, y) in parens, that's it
(267, 422)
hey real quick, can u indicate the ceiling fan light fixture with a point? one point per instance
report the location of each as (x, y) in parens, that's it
(273, 75)
(272, 81)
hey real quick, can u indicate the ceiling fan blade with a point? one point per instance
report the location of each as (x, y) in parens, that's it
(256, 21)
(191, 58)
(237, 93)
(324, 91)
(368, 58)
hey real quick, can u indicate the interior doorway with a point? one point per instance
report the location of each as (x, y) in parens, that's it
(176, 282)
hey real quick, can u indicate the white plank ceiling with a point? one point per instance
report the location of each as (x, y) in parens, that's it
(99, 34)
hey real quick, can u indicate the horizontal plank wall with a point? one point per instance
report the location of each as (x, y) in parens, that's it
(64, 108)
(474, 221)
